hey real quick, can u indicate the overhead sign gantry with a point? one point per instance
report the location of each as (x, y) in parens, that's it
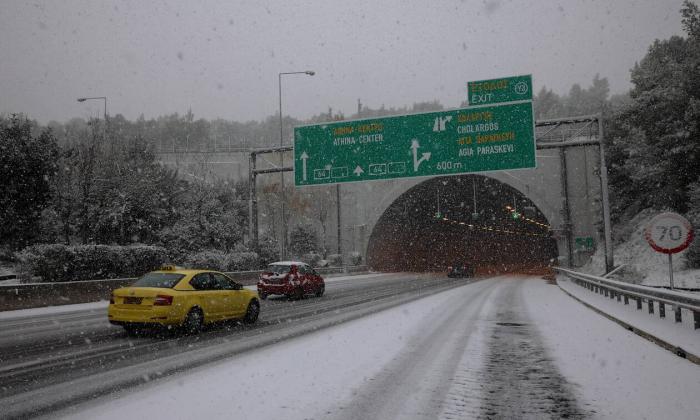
(475, 139)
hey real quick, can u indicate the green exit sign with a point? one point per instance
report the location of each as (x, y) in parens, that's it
(585, 243)
(430, 144)
(507, 89)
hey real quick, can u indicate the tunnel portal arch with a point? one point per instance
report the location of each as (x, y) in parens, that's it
(409, 235)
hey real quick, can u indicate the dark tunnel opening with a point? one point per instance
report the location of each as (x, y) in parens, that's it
(469, 219)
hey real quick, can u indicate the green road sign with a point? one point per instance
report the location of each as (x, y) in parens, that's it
(585, 243)
(507, 89)
(434, 143)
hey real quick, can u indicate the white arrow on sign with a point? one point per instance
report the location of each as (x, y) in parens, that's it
(303, 158)
(358, 171)
(425, 156)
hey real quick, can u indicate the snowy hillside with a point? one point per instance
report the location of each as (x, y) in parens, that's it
(643, 265)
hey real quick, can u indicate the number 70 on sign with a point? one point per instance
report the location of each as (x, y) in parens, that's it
(669, 233)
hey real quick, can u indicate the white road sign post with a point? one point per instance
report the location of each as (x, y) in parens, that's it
(669, 233)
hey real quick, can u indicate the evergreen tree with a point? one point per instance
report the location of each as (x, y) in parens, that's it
(658, 134)
(27, 169)
(302, 240)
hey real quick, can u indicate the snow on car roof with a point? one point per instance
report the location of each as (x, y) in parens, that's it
(288, 263)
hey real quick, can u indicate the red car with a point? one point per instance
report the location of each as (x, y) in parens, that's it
(290, 278)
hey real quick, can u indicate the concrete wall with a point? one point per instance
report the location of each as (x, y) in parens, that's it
(36, 295)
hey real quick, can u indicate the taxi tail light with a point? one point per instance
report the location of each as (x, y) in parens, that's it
(163, 300)
(111, 299)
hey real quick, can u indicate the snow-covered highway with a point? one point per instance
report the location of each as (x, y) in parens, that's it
(505, 347)
(53, 358)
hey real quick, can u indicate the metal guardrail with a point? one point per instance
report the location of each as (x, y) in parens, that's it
(642, 294)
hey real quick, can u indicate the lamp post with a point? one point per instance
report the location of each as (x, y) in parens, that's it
(475, 213)
(283, 242)
(104, 98)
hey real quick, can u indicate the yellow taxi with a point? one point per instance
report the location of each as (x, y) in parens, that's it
(173, 296)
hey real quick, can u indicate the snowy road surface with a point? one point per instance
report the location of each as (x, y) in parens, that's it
(678, 334)
(53, 359)
(508, 347)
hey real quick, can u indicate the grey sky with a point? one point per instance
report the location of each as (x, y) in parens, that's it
(221, 58)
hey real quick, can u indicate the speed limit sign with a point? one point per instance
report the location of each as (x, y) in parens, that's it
(669, 233)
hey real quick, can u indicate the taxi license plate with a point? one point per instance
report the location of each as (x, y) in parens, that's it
(129, 300)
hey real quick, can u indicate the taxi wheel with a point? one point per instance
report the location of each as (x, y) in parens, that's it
(130, 330)
(193, 321)
(251, 314)
(320, 290)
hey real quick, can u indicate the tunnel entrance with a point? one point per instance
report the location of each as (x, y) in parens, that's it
(469, 219)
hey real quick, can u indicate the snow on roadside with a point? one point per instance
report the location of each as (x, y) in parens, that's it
(54, 310)
(10, 282)
(643, 265)
(620, 373)
(300, 378)
(340, 276)
(680, 335)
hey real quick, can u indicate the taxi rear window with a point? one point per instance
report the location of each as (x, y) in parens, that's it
(162, 280)
(278, 268)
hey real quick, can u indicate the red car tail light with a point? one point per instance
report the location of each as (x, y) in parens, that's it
(163, 300)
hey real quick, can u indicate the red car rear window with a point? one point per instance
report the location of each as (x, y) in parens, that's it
(278, 268)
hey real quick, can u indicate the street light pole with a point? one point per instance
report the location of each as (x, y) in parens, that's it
(475, 213)
(283, 242)
(104, 98)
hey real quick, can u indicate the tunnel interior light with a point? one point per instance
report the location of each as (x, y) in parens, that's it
(501, 231)
(515, 215)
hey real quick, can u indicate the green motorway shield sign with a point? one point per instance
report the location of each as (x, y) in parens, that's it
(507, 89)
(450, 142)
